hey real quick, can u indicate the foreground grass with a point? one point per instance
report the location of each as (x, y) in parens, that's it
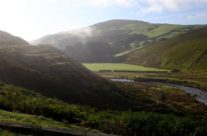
(119, 67)
(144, 121)
(4, 132)
(39, 121)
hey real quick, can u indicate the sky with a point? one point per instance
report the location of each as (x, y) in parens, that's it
(31, 19)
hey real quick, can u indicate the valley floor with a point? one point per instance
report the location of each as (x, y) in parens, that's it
(128, 71)
(197, 80)
(120, 67)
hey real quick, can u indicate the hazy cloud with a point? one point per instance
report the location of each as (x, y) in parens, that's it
(106, 3)
(159, 6)
(198, 16)
(83, 32)
(205, 1)
(149, 6)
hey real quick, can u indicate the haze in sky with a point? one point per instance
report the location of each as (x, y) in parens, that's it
(31, 19)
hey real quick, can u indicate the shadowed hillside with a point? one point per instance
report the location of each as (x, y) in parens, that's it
(103, 42)
(46, 69)
(187, 52)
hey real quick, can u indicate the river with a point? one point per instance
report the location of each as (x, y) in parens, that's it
(199, 94)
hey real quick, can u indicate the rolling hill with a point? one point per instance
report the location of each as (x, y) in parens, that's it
(51, 73)
(108, 41)
(185, 52)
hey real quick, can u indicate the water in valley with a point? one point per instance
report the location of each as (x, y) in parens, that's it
(198, 94)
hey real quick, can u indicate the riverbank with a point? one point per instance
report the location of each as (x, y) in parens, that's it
(193, 80)
(198, 94)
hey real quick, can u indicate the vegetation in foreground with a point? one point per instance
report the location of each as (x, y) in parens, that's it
(189, 121)
(40, 121)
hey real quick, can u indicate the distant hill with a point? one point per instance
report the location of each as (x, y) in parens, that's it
(185, 52)
(104, 42)
(51, 73)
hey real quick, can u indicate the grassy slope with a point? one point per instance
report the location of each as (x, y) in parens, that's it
(187, 52)
(163, 29)
(128, 26)
(118, 67)
(110, 38)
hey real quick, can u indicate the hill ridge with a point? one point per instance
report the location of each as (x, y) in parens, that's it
(102, 41)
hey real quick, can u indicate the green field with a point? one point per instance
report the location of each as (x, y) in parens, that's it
(164, 29)
(119, 67)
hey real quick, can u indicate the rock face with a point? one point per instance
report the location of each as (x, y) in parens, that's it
(49, 72)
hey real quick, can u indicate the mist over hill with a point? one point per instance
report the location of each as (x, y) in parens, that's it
(51, 73)
(107, 41)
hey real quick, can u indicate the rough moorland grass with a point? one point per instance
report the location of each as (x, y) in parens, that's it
(4, 132)
(118, 122)
(39, 121)
(119, 67)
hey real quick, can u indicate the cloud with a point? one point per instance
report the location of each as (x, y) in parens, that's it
(198, 16)
(107, 3)
(149, 6)
(205, 1)
(83, 32)
(159, 6)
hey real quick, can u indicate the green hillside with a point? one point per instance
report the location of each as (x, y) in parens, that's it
(103, 41)
(186, 52)
(51, 73)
